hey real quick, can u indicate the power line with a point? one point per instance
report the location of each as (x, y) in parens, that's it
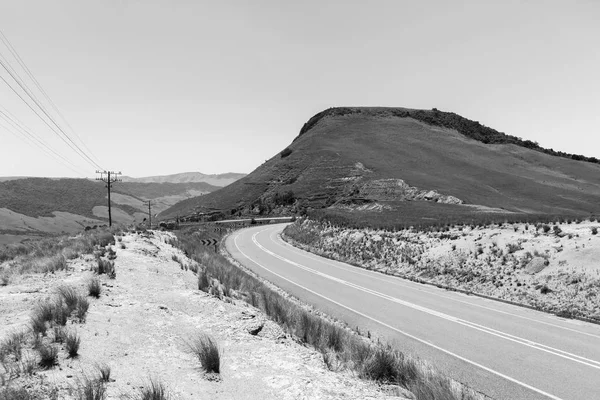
(17, 57)
(25, 131)
(64, 137)
(25, 138)
(79, 152)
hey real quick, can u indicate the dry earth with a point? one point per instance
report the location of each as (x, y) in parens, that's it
(554, 268)
(140, 325)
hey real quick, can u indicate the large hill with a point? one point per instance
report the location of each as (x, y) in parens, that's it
(35, 205)
(188, 177)
(395, 163)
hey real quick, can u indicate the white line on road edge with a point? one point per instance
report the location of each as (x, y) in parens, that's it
(523, 384)
(538, 346)
(400, 282)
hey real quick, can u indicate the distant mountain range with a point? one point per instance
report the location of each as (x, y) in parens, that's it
(220, 180)
(54, 205)
(394, 165)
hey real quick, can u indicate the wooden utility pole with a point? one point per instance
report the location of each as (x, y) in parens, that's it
(109, 180)
(149, 215)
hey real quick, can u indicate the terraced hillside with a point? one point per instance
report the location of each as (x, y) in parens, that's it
(393, 163)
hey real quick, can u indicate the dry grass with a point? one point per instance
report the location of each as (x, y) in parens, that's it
(94, 287)
(72, 343)
(205, 348)
(90, 389)
(156, 390)
(341, 348)
(48, 355)
(50, 254)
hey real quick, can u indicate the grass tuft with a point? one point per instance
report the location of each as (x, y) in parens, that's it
(205, 348)
(90, 389)
(94, 287)
(104, 370)
(72, 342)
(155, 391)
(48, 355)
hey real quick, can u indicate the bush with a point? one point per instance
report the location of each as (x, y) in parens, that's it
(83, 306)
(106, 267)
(207, 351)
(72, 342)
(48, 355)
(155, 391)
(90, 389)
(94, 287)
(104, 370)
(546, 228)
(286, 152)
(594, 230)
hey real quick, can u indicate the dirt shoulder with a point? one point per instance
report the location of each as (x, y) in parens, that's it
(142, 321)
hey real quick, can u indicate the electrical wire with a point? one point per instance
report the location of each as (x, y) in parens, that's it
(33, 138)
(17, 57)
(31, 141)
(57, 129)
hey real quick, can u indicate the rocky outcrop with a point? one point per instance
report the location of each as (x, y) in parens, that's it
(398, 190)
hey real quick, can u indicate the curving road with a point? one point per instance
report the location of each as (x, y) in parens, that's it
(504, 351)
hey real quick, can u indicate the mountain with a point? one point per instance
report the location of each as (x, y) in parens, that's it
(187, 177)
(44, 205)
(398, 164)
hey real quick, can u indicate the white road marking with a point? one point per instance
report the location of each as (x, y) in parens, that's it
(494, 332)
(398, 281)
(523, 384)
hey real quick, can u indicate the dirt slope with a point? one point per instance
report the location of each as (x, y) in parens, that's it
(338, 159)
(141, 322)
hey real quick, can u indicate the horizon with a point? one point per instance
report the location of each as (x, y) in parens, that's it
(223, 87)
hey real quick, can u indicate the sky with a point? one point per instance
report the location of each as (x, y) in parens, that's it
(161, 87)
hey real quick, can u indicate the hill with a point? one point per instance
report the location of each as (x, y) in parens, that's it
(395, 164)
(188, 177)
(57, 205)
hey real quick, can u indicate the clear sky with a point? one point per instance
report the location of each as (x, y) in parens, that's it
(160, 87)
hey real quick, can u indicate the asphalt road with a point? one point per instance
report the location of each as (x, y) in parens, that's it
(504, 351)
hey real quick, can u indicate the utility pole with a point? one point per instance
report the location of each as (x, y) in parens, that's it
(109, 180)
(149, 215)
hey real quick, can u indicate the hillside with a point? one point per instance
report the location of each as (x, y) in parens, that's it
(394, 163)
(220, 180)
(57, 205)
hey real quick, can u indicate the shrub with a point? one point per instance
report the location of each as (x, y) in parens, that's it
(72, 342)
(70, 296)
(155, 391)
(94, 287)
(104, 370)
(286, 152)
(9, 393)
(546, 228)
(594, 230)
(205, 348)
(48, 355)
(203, 281)
(90, 389)
(59, 334)
(83, 306)
(12, 345)
(106, 267)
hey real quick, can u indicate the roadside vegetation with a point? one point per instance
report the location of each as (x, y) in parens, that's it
(341, 347)
(541, 265)
(50, 254)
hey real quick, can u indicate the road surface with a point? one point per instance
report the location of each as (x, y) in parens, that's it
(504, 351)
